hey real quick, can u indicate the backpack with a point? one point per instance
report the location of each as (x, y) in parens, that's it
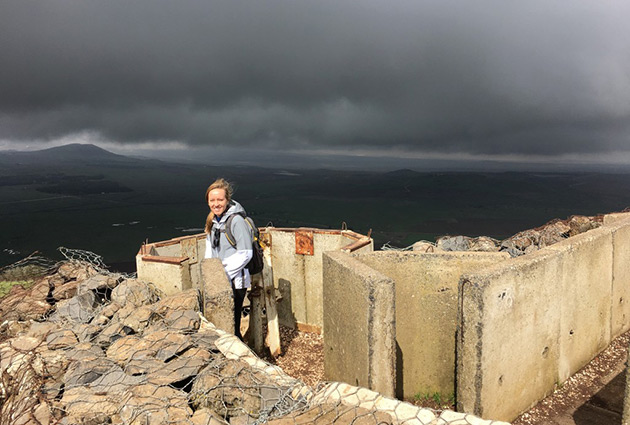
(257, 262)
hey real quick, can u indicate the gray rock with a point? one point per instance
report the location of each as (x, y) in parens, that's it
(453, 243)
(182, 320)
(177, 370)
(80, 308)
(230, 388)
(100, 375)
(62, 338)
(185, 300)
(84, 351)
(133, 292)
(86, 332)
(98, 283)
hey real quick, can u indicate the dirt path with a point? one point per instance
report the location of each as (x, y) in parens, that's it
(592, 396)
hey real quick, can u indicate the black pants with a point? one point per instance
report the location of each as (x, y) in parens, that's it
(239, 297)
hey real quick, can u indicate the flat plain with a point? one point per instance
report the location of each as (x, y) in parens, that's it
(82, 197)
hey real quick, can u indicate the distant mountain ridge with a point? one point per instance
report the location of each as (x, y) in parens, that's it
(71, 153)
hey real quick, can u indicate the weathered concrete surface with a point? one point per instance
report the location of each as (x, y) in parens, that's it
(557, 299)
(168, 278)
(426, 313)
(500, 309)
(359, 324)
(620, 301)
(173, 276)
(298, 277)
(218, 298)
(626, 399)
(586, 285)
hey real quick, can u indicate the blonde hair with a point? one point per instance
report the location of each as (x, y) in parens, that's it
(219, 183)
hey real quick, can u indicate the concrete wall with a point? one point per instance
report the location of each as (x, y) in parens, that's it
(298, 277)
(529, 323)
(217, 295)
(176, 264)
(426, 313)
(359, 324)
(167, 277)
(173, 265)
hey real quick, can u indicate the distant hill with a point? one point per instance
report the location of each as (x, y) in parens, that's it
(66, 154)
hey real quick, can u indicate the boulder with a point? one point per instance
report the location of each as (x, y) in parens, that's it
(80, 308)
(133, 292)
(484, 244)
(99, 284)
(552, 233)
(154, 405)
(65, 291)
(62, 338)
(580, 224)
(185, 300)
(84, 351)
(453, 243)
(83, 405)
(183, 320)
(424, 246)
(230, 388)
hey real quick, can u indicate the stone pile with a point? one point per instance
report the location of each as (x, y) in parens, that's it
(81, 347)
(521, 243)
(110, 351)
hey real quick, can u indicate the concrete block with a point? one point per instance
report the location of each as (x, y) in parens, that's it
(614, 218)
(167, 277)
(626, 400)
(529, 323)
(620, 299)
(585, 298)
(508, 335)
(426, 313)
(298, 277)
(359, 324)
(218, 298)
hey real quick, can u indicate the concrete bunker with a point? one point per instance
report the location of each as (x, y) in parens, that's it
(421, 288)
(497, 332)
(295, 256)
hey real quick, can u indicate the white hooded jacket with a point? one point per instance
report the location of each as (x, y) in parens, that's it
(234, 259)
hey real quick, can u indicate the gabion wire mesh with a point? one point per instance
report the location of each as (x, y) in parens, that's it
(86, 346)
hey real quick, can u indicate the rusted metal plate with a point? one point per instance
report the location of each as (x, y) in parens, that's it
(304, 242)
(189, 249)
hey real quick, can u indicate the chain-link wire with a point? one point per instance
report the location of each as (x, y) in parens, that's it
(84, 345)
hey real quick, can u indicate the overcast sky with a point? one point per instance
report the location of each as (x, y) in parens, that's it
(528, 79)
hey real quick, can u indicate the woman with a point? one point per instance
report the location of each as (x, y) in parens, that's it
(234, 259)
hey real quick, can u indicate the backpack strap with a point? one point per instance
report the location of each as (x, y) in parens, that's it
(228, 227)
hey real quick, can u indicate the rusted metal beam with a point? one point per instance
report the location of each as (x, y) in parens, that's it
(356, 245)
(163, 259)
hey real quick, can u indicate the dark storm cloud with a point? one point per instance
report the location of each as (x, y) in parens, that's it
(532, 77)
